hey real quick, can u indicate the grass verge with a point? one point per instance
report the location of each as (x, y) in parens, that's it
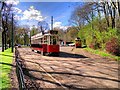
(6, 58)
(102, 53)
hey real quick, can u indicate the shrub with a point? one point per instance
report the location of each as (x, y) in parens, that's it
(92, 46)
(113, 47)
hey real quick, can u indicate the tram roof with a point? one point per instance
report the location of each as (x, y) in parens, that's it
(39, 35)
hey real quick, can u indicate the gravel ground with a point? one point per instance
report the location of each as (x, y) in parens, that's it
(74, 68)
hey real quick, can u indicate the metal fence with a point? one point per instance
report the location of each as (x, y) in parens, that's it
(19, 71)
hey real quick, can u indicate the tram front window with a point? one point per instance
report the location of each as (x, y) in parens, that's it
(53, 40)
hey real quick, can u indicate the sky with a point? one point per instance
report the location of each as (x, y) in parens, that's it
(31, 13)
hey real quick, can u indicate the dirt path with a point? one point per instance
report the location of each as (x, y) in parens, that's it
(70, 70)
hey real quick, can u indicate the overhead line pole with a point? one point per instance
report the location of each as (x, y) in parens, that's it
(51, 22)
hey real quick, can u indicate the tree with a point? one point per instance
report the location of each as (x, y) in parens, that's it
(23, 33)
(111, 10)
(61, 33)
(118, 7)
(5, 10)
(42, 26)
(34, 30)
(106, 13)
(83, 14)
(71, 34)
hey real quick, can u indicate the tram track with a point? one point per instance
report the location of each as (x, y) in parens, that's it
(60, 72)
(29, 83)
(24, 82)
(52, 77)
(49, 75)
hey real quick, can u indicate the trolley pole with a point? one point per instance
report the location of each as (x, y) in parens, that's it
(12, 36)
(51, 22)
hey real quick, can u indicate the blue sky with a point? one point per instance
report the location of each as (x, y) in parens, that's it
(61, 12)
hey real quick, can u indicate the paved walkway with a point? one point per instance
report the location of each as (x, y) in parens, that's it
(70, 70)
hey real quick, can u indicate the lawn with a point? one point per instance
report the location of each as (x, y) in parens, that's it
(6, 58)
(102, 53)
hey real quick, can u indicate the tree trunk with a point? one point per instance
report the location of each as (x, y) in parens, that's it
(105, 13)
(112, 14)
(9, 43)
(113, 23)
(119, 8)
(3, 41)
(92, 20)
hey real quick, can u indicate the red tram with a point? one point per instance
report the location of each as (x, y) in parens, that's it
(78, 43)
(46, 43)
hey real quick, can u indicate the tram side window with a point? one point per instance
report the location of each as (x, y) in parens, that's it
(50, 39)
(45, 40)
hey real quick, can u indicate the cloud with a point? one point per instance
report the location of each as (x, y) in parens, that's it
(16, 17)
(16, 10)
(13, 2)
(59, 25)
(32, 13)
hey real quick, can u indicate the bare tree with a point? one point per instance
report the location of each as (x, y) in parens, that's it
(42, 26)
(106, 13)
(111, 9)
(76, 20)
(112, 12)
(83, 14)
